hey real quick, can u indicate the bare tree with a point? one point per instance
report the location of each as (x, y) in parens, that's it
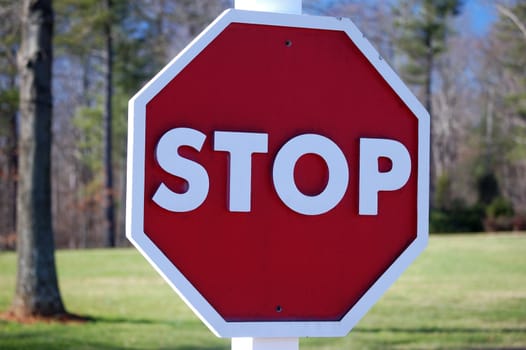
(9, 39)
(424, 27)
(107, 120)
(37, 292)
(506, 12)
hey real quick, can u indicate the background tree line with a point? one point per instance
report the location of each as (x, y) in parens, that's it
(105, 50)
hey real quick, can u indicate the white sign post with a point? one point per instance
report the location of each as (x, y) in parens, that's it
(278, 6)
(265, 343)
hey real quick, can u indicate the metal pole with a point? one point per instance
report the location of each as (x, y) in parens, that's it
(279, 6)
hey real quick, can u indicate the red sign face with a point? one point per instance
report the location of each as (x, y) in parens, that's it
(278, 175)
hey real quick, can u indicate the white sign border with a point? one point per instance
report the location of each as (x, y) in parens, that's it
(135, 182)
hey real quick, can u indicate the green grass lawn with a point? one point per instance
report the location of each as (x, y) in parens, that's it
(464, 292)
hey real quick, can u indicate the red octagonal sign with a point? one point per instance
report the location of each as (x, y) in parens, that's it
(278, 175)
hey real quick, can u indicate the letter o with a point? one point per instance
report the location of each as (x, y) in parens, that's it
(283, 174)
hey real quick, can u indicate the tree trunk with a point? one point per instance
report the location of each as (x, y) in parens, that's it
(109, 210)
(13, 166)
(428, 91)
(37, 292)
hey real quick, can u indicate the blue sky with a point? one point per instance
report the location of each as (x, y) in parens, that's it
(480, 15)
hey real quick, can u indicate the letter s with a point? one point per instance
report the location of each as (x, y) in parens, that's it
(194, 173)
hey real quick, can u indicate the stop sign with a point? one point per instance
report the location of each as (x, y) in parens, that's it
(278, 175)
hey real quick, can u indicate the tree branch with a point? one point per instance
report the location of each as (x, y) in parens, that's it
(507, 13)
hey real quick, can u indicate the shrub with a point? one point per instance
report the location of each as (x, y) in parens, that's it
(519, 222)
(500, 207)
(458, 218)
(499, 216)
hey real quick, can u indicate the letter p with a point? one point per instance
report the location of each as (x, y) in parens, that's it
(372, 180)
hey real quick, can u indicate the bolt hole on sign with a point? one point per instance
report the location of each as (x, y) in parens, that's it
(278, 175)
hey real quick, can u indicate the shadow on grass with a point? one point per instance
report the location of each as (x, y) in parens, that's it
(45, 339)
(37, 335)
(200, 347)
(421, 330)
(444, 330)
(32, 338)
(137, 321)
